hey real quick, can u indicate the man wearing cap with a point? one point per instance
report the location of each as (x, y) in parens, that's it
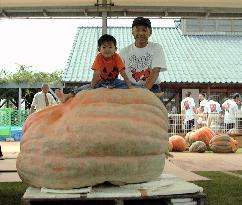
(144, 60)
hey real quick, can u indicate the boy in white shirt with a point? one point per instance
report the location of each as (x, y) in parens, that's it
(144, 60)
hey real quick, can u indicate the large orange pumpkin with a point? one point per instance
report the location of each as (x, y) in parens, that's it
(100, 135)
(203, 134)
(223, 144)
(178, 143)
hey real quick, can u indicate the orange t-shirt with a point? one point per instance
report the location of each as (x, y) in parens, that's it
(109, 68)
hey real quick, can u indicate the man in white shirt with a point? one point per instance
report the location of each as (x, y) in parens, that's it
(188, 109)
(143, 60)
(230, 107)
(202, 99)
(42, 99)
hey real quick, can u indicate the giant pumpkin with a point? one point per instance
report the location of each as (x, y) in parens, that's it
(100, 135)
(203, 134)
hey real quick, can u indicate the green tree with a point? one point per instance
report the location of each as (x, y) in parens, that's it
(24, 74)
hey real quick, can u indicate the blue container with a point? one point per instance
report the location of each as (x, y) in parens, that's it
(16, 133)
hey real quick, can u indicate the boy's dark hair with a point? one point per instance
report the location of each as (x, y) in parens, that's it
(106, 38)
(141, 21)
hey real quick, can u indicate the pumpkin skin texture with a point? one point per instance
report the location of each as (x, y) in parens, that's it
(178, 143)
(115, 135)
(223, 144)
(203, 134)
(170, 146)
(198, 146)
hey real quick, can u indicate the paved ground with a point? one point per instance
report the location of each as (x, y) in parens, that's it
(207, 161)
(180, 165)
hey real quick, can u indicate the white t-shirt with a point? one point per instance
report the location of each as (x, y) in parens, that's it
(203, 102)
(139, 61)
(231, 109)
(39, 100)
(212, 106)
(187, 106)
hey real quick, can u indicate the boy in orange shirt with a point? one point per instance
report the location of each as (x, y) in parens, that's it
(107, 66)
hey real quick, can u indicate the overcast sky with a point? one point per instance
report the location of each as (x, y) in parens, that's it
(45, 43)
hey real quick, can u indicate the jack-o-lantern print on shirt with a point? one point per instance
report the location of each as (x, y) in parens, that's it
(109, 69)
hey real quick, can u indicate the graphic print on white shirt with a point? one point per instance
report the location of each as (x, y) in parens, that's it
(140, 61)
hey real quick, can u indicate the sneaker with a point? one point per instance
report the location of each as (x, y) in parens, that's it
(1, 158)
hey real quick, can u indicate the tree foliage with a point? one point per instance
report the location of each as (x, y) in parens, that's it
(25, 75)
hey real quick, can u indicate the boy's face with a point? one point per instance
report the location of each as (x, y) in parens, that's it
(141, 34)
(107, 49)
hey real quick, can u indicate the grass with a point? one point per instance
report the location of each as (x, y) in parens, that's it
(11, 192)
(223, 189)
(239, 150)
(237, 172)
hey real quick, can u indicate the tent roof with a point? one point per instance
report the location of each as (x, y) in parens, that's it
(183, 8)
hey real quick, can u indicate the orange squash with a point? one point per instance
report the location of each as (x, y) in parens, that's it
(178, 143)
(203, 134)
(223, 143)
(100, 135)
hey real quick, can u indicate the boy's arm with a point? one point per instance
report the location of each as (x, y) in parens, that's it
(95, 78)
(125, 77)
(150, 81)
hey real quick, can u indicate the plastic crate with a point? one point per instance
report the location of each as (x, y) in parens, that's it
(5, 132)
(17, 133)
(5, 116)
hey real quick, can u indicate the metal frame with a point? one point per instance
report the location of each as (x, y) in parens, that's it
(115, 11)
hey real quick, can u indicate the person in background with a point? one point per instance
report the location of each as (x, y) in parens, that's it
(188, 109)
(42, 99)
(230, 107)
(1, 154)
(212, 106)
(201, 115)
(144, 60)
(202, 99)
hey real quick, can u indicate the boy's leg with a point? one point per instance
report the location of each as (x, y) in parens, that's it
(83, 87)
(157, 91)
(120, 84)
(62, 96)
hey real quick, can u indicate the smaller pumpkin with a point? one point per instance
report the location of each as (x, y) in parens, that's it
(198, 146)
(203, 134)
(178, 143)
(223, 143)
